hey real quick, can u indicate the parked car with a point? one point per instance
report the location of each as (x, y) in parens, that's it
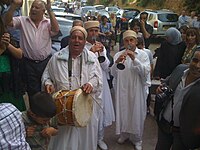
(85, 10)
(57, 9)
(103, 12)
(123, 17)
(66, 15)
(161, 20)
(112, 9)
(99, 7)
(65, 27)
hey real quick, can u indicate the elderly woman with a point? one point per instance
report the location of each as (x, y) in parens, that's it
(170, 53)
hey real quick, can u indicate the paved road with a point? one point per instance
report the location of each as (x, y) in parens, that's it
(149, 137)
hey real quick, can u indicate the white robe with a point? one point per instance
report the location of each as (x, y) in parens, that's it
(56, 73)
(107, 116)
(130, 93)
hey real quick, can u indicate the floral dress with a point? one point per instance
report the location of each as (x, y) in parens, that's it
(187, 56)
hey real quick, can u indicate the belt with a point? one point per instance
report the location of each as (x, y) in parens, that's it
(167, 124)
(37, 61)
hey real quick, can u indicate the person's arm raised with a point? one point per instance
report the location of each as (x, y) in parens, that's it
(54, 22)
(7, 17)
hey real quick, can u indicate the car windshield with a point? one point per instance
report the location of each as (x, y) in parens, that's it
(100, 7)
(168, 17)
(86, 9)
(130, 14)
(58, 9)
(65, 27)
(112, 9)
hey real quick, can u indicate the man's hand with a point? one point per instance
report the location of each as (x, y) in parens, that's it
(121, 58)
(49, 88)
(48, 5)
(97, 47)
(87, 88)
(131, 54)
(142, 22)
(17, 3)
(48, 132)
(30, 131)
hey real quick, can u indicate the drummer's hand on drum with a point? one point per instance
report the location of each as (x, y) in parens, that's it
(48, 132)
(49, 88)
(87, 88)
(30, 131)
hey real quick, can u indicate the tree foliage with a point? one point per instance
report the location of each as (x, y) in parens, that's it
(192, 5)
(189, 5)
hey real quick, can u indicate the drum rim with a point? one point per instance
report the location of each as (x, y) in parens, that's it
(74, 112)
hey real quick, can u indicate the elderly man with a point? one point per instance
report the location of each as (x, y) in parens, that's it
(107, 114)
(65, 40)
(130, 90)
(35, 40)
(71, 68)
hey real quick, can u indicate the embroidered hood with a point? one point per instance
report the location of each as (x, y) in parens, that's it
(64, 55)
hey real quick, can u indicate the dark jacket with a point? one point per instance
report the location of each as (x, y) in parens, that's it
(169, 56)
(190, 117)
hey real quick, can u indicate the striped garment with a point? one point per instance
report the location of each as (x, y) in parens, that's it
(12, 130)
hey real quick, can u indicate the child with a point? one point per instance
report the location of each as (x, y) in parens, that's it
(37, 121)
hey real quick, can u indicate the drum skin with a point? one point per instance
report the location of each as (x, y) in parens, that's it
(74, 107)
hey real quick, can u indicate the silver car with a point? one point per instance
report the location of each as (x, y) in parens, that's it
(161, 20)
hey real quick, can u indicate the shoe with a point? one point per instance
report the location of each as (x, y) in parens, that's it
(121, 140)
(138, 145)
(102, 145)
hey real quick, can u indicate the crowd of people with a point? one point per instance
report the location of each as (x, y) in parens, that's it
(84, 64)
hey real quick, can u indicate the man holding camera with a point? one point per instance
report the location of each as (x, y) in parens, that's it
(179, 121)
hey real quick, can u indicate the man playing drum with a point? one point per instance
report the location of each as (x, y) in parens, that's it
(72, 68)
(130, 90)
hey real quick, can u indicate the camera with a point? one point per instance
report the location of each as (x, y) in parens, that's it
(167, 92)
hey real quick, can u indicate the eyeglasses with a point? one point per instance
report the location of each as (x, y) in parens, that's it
(195, 60)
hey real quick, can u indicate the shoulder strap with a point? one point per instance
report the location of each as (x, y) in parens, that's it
(173, 81)
(176, 75)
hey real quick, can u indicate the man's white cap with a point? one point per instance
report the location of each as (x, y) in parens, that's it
(129, 33)
(91, 24)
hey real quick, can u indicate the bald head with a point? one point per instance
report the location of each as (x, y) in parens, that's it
(37, 10)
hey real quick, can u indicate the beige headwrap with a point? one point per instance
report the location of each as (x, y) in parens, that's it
(129, 33)
(79, 28)
(91, 24)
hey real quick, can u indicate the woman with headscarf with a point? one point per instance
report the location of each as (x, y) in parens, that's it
(170, 53)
